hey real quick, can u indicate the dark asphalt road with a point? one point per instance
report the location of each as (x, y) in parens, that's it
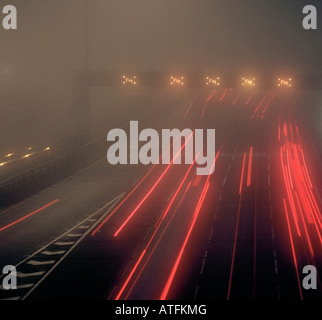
(161, 232)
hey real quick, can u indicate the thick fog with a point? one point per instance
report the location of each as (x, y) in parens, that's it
(55, 40)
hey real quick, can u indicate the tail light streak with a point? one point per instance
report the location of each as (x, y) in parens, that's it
(157, 227)
(250, 98)
(249, 171)
(242, 175)
(223, 95)
(124, 200)
(156, 230)
(267, 105)
(206, 103)
(29, 215)
(293, 250)
(190, 105)
(150, 191)
(259, 105)
(192, 224)
(236, 99)
(304, 213)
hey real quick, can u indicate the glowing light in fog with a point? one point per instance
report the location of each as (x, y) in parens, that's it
(129, 80)
(26, 156)
(177, 81)
(213, 81)
(284, 83)
(9, 155)
(248, 82)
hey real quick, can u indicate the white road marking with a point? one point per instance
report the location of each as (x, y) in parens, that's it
(196, 292)
(171, 194)
(224, 180)
(88, 167)
(25, 286)
(275, 266)
(32, 274)
(64, 243)
(52, 253)
(137, 180)
(74, 235)
(202, 266)
(147, 233)
(76, 243)
(41, 263)
(211, 233)
(271, 217)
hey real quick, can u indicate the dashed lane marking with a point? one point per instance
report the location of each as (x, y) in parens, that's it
(64, 243)
(40, 263)
(29, 267)
(53, 253)
(30, 274)
(25, 286)
(71, 235)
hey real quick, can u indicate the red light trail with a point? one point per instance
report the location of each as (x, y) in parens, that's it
(150, 191)
(224, 94)
(249, 172)
(207, 101)
(150, 247)
(29, 215)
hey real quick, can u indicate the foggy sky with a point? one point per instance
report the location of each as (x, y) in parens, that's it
(38, 62)
(225, 35)
(155, 34)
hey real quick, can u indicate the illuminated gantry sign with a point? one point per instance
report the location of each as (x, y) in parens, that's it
(129, 80)
(283, 83)
(213, 81)
(177, 81)
(248, 82)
